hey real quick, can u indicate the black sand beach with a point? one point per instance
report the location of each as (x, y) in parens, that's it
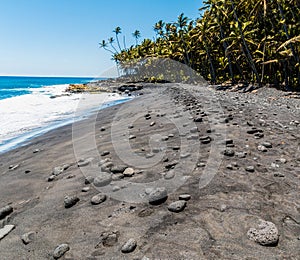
(228, 160)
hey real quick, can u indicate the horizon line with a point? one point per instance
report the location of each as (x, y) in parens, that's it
(52, 76)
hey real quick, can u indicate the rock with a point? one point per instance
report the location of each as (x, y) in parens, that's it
(229, 167)
(84, 162)
(85, 189)
(13, 167)
(5, 211)
(102, 129)
(6, 230)
(171, 164)
(98, 199)
(229, 153)
(130, 126)
(169, 175)
(51, 178)
(267, 144)
(103, 180)
(27, 171)
(177, 206)
(176, 148)
(194, 130)
(250, 169)
(118, 169)
(129, 246)
(36, 150)
(28, 237)
(262, 148)
(89, 180)
(129, 172)
(109, 239)
(60, 251)
(106, 167)
(104, 153)
(185, 197)
(198, 119)
(205, 139)
(258, 135)
(241, 154)
(59, 169)
(70, 201)
(132, 137)
(266, 234)
(254, 131)
(152, 123)
(278, 174)
(158, 196)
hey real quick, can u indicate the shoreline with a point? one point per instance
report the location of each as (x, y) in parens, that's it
(215, 219)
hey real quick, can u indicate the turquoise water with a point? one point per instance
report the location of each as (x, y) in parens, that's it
(17, 86)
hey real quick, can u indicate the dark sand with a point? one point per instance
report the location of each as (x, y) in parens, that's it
(229, 201)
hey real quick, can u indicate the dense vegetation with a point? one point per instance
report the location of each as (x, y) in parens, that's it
(233, 40)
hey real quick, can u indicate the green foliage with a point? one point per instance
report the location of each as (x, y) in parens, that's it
(237, 40)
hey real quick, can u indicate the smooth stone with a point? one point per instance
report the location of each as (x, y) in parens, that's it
(185, 197)
(27, 171)
(158, 196)
(229, 153)
(36, 150)
(5, 211)
(129, 246)
(198, 119)
(229, 167)
(169, 175)
(129, 172)
(171, 164)
(85, 189)
(51, 178)
(13, 167)
(132, 137)
(130, 126)
(266, 234)
(89, 180)
(6, 230)
(241, 154)
(70, 201)
(152, 123)
(250, 169)
(60, 251)
(103, 180)
(262, 148)
(83, 163)
(106, 167)
(194, 130)
(102, 129)
(201, 165)
(176, 148)
(28, 237)
(98, 199)
(279, 175)
(177, 206)
(105, 153)
(118, 169)
(267, 144)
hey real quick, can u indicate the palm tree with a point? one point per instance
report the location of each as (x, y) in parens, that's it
(136, 34)
(118, 31)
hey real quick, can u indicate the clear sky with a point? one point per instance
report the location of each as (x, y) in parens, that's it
(60, 37)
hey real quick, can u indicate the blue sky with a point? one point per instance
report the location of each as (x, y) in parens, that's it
(60, 37)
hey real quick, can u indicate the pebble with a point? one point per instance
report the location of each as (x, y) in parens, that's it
(98, 199)
(241, 154)
(176, 148)
(28, 237)
(177, 206)
(5, 211)
(267, 144)
(60, 250)
(70, 201)
(85, 189)
(198, 119)
(158, 196)
(266, 234)
(89, 180)
(36, 150)
(132, 137)
(129, 246)
(185, 197)
(129, 172)
(278, 174)
(250, 169)
(104, 153)
(194, 130)
(118, 169)
(229, 153)
(130, 126)
(51, 178)
(229, 167)
(152, 123)
(171, 164)
(6, 230)
(83, 162)
(262, 148)
(27, 171)
(13, 167)
(169, 175)
(102, 129)
(103, 180)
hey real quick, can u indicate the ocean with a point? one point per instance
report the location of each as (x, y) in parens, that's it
(31, 106)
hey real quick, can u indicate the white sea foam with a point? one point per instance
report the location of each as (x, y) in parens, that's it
(21, 116)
